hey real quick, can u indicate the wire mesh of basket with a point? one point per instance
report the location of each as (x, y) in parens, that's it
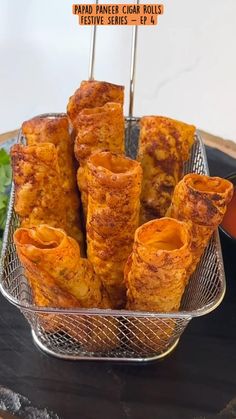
(114, 334)
(118, 335)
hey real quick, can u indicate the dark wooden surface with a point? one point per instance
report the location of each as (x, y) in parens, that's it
(197, 380)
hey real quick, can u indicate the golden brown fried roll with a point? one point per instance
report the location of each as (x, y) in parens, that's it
(60, 278)
(99, 129)
(164, 145)
(40, 197)
(114, 184)
(155, 273)
(51, 251)
(92, 94)
(38, 191)
(45, 290)
(202, 201)
(40, 130)
(47, 293)
(45, 129)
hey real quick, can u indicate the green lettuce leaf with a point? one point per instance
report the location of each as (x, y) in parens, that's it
(5, 181)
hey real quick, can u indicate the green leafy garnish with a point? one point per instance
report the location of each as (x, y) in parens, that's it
(5, 181)
(4, 157)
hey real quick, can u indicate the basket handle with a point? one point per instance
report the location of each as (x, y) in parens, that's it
(132, 62)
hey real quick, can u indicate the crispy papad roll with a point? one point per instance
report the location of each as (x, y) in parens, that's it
(47, 293)
(99, 129)
(52, 251)
(45, 290)
(92, 94)
(201, 201)
(155, 273)
(60, 278)
(39, 196)
(38, 191)
(44, 129)
(114, 184)
(164, 145)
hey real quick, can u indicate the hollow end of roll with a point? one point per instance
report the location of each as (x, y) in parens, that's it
(165, 234)
(42, 237)
(207, 184)
(112, 163)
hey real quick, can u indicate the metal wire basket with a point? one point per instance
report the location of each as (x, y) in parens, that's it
(116, 335)
(120, 335)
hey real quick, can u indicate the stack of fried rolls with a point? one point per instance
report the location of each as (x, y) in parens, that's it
(98, 129)
(114, 185)
(41, 130)
(142, 268)
(96, 113)
(59, 277)
(164, 146)
(201, 201)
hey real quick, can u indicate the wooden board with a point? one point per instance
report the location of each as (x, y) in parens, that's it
(7, 135)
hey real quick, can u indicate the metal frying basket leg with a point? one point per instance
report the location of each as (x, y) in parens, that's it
(132, 63)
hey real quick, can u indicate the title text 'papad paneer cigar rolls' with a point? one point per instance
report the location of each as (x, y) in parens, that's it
(155, 272)
(60, 278)
(99, 129)
(114, 185)
(164, 145)
(40, 130)
(202, 201)
(92, 94)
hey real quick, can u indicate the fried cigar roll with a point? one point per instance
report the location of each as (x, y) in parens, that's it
(60, 278)
(99, 129)
(38, 191)
(45, 290)
(50, 250)
(164, 145)
(40, 130)
(92, 94)
(39, 196)
(156, 270)
(202, 202)
(47, 293)
(114, 184)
